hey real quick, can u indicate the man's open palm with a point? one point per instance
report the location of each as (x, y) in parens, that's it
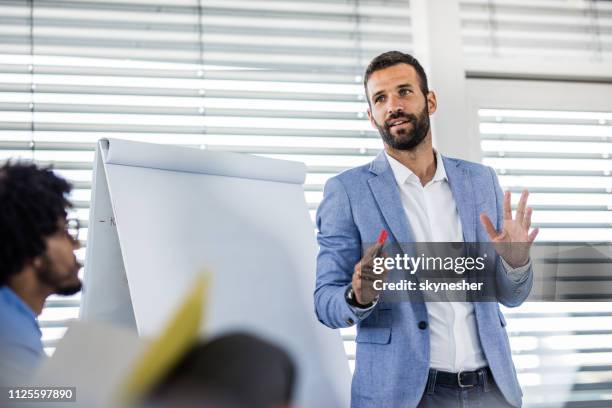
(514, 240)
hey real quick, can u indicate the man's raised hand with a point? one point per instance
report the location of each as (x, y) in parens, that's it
(513, 241)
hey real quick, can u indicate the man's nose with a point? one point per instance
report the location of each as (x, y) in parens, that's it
(394, 110)
(393, 105)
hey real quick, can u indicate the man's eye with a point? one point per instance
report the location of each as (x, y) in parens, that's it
(379, 99)
(404, 91)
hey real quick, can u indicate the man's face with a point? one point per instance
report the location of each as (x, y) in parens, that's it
(398, 108)
(58, 267)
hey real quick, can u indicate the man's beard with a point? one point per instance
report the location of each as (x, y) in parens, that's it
(61, 286)
(406, 139)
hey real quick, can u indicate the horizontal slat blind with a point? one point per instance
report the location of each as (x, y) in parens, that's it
(564, 158)
(276, 78)
(562, 351)
(537, 36)
(542, 28)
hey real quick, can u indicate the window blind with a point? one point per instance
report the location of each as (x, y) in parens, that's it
(276, 78)
(561, 350)
(542, 37)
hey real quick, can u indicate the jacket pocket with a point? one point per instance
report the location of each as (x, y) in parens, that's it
(376, 335)
(376, 328)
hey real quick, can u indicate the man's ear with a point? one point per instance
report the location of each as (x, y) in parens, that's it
(37, 262)
(372, 121)
(432, 102)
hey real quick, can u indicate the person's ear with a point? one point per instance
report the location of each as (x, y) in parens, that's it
(372, 121)
(432, 102)
(37, 262)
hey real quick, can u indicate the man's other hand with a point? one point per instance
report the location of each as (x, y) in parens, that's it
(364, 276)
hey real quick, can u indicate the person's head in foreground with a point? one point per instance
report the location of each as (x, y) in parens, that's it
(232, 371)
(399, 101)
(36, 259)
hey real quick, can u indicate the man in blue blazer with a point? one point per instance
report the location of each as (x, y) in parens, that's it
(417, 353)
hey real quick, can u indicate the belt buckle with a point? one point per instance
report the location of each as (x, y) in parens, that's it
(459, 381)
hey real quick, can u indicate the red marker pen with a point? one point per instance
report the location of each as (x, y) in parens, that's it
(381, 240)
(382, 237)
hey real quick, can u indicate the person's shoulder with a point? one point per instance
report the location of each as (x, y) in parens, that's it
(15, 325)
(350, 177)
(15, 329)
(473, 167)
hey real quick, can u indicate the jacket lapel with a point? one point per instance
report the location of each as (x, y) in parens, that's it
(464, 195)
(386, 193)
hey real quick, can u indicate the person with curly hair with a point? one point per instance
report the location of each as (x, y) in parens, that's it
(37, 259)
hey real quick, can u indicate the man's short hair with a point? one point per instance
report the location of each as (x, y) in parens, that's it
(389, 59)
(32, 201)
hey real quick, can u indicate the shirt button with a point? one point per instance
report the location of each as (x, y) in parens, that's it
(422, 325)
(349, 321)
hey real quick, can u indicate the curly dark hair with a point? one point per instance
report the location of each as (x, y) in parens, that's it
(32, 200)
(389, 59)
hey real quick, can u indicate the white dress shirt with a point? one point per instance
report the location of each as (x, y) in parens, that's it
(432, 213)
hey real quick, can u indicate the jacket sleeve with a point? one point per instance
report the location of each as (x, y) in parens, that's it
(339, 251)
(510, 291)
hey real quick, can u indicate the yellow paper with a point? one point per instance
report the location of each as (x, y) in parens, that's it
(164, 352)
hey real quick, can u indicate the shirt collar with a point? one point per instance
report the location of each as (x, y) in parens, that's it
(403, 174)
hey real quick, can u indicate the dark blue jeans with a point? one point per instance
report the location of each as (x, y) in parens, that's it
(479, 396)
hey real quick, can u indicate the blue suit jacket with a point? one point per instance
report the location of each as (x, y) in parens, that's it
(392, 360)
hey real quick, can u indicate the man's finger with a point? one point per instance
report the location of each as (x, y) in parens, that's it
(369, 278)
(370, 272)
(507, 206)
(384, 275)
(486, 222)
(527, 219)
(367, 262)
(383, 255)
(533, 234)
(371, 251)
(520, 209)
